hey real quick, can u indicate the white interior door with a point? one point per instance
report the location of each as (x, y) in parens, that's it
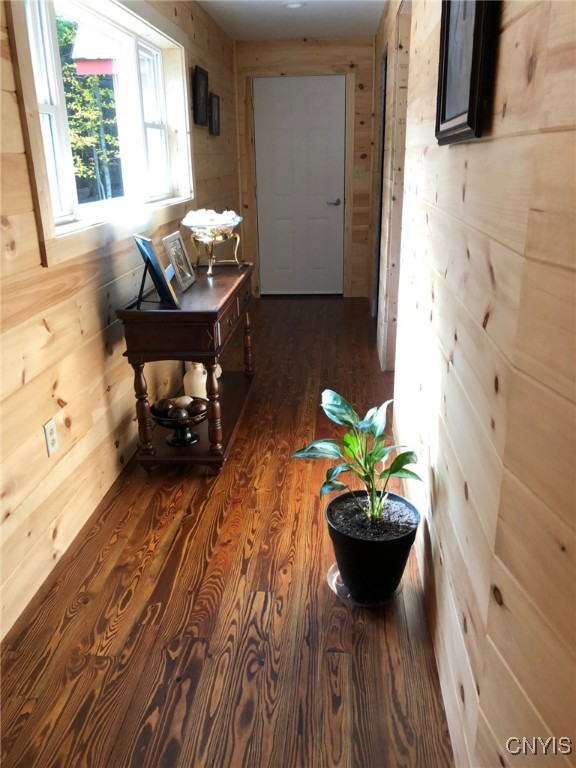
(299, 140)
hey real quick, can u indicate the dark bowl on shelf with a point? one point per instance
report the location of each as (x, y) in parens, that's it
(183, 435)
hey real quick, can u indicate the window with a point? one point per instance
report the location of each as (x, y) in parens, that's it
(109, 134)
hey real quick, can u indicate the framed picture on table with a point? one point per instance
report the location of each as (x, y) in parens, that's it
(178, 256)
(156, 271)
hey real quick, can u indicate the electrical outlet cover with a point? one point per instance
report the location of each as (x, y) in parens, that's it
(51, 437)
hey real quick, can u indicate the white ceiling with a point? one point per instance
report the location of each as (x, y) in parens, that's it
(271, 20)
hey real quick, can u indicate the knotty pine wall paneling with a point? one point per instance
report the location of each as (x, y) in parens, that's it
(353, 57)
(396, 49)
(486, 382)
(61, 344)
(215, 157)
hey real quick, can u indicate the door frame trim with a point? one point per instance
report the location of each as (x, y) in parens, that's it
(390, 255)
(350, 108)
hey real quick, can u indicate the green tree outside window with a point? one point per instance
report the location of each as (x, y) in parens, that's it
(91, 109)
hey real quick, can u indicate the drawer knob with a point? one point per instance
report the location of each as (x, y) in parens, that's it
(232, 320)
(247, 296)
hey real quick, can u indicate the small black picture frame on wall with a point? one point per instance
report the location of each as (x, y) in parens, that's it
(466, 66)
(200, 95)
(214, 115)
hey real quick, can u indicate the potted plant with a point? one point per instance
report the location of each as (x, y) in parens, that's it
(371, 529)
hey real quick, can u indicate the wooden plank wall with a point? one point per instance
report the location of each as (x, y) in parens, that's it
(309, 56)
(396, 49)
(215, 157)
(62, 345)
(486, 382)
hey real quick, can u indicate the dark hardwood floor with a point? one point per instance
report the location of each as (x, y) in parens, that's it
(191, 623)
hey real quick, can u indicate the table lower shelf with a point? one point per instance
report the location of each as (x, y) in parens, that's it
(234, 389)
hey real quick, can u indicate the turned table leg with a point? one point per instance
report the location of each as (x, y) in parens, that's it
(142, 410)
(214, 410)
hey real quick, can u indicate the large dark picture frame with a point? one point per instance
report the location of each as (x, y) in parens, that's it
(467, 54)
(200, 95)
(159, 278)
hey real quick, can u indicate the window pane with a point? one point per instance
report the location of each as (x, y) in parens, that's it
(39, 26)
(149, 80)
(89, 89)
(158, 171)
(150, 68)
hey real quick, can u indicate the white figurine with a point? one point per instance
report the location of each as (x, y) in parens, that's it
(195, 380)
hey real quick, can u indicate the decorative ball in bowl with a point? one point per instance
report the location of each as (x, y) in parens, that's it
(180, 414)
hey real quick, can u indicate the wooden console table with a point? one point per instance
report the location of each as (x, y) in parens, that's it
(210, 313)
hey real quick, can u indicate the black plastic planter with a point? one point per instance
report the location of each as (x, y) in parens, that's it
(371, 570)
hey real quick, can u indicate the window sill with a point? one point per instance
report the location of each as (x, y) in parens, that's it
(77, 239)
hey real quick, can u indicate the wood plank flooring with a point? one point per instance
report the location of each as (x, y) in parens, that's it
(191, 625)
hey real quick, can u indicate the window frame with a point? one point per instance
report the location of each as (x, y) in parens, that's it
(67, 241)
(161, 126)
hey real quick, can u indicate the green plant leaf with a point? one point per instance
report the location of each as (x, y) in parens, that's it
(351, 444)
(335, 471)
(406, 474)
(320, 449)
(380, 450)
(337, 409)
(408, 457)
(367, 423)
(332, 485)
(380, 419)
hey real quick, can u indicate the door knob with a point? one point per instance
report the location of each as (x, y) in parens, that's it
(334, 202)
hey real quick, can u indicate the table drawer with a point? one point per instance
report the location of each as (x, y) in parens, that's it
(211, 311)
(229, 320)
(245, 299)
